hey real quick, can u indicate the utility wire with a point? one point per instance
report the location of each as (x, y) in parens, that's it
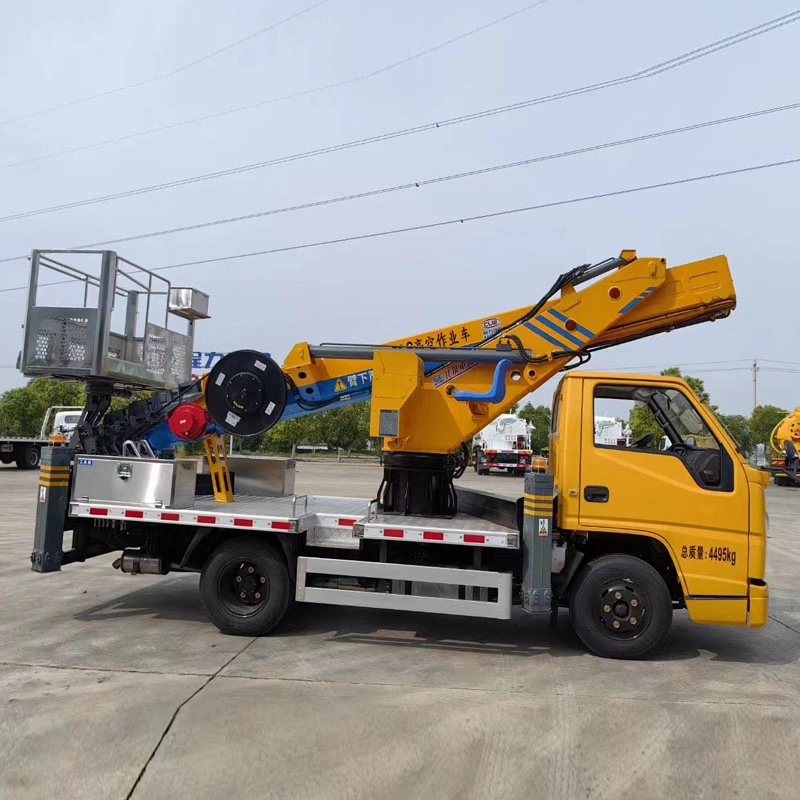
(649, 72)
(303, 93)
(411, 184)
(456, 221)
(415, 184)
(165, 75)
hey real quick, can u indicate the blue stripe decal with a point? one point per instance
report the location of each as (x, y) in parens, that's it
(634, 302)
(560, 331)
(545, 336)
(579, 328)
(637, 300)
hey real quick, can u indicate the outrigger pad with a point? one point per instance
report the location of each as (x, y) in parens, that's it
(246, 393)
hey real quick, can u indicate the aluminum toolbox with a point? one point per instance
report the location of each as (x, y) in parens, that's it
(145, 482)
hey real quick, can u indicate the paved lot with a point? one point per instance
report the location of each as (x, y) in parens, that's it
(115, 686)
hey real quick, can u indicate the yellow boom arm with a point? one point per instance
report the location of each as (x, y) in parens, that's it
(434, 390)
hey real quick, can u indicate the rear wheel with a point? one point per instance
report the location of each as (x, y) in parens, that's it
(620, 607)
(30, 458)
(245, 587)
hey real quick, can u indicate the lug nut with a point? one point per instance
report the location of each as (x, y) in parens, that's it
(634, 602)
(615, 623)
(258, 595)
(238, 579)
(618, 595)
(250, 570)
(243, 595)
(606, 609)
(633, 620)
(263, 579)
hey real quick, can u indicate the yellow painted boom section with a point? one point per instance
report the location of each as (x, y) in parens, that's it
(640, 298)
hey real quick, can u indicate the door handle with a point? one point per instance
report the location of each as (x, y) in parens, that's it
(595, 494)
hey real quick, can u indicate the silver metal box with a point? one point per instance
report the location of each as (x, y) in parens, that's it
(146, 482)
(260, 476)
(188, 303)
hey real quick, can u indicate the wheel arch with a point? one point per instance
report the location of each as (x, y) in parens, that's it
(206, 540)
(647, 546)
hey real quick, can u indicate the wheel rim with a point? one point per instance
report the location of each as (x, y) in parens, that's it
(621, 610)
(33, 458)
(242, 588)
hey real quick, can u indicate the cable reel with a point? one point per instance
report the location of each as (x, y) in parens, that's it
(246, 393)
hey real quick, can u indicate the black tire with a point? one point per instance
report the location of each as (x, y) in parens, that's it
(483, 472)
(233, 560)
(30, 457)
(631, 590)
(519, 473)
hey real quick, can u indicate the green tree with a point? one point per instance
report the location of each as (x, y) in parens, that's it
(739, 427)
(346, 428)
(642, 422)
(539, 418)
(22, 409)
(763, 420)
(285, 436)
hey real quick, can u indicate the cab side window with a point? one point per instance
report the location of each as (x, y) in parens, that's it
(661, 421)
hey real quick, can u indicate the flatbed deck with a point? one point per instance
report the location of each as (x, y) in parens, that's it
(327, 521)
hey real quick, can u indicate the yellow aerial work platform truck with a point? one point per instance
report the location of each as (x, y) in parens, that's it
(621, 535)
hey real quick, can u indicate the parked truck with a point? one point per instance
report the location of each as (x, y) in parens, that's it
(620, 534)
(503, 444)
(26, 451)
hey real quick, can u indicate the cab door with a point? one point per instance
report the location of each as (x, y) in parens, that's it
(693, 495)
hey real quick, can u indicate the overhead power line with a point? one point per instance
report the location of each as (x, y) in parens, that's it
(163, 76)
(459, 220)
(367, 75)
(649, 72)
(417, 184)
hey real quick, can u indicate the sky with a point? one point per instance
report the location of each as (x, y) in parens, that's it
(389, 287)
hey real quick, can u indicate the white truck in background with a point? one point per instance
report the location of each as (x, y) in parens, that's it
(611, 431)
(26, 451)
(506, 444)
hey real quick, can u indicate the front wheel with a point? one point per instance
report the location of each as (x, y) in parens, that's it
(245, 586)
(620, 607)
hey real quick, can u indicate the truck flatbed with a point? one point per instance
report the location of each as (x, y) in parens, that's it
(327, 521)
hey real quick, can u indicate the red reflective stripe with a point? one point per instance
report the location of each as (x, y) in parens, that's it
(243, 523)
(347, 522)
(437, 536)
(207, 520)
(474, 538)
(134, 514)
(395, 532)
(168, 517)
(282, 526)
(98, 512)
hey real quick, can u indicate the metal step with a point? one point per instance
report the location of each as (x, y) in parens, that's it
(403, 577)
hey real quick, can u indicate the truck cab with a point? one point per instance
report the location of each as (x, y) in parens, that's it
(694, 511)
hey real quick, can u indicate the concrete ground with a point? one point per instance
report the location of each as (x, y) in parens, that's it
(115, 686)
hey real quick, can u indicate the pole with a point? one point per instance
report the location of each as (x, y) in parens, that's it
(755, 369)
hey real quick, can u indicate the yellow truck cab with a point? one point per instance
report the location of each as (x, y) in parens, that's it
(693, 512)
